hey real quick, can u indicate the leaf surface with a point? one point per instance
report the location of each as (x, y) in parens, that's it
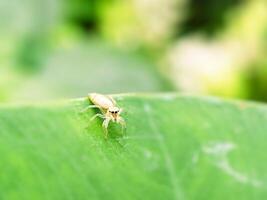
(175, 147)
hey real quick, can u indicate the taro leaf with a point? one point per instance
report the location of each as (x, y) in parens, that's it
(175, 147)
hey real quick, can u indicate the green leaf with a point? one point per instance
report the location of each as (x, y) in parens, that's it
(175, 147)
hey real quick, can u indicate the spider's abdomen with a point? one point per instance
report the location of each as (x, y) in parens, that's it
(101, 100)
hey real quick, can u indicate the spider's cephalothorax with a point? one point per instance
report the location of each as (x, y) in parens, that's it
(114, 113)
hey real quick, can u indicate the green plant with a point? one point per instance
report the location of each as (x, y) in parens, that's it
(176, 147)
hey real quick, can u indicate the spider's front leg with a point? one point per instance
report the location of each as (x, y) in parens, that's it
(97, 115)
(122, 122)
(105, 126)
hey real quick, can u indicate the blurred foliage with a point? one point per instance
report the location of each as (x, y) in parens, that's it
(31, 53)
(67, 73)
(83, 14)
(161, 38)
(257, 81)
(207, 15)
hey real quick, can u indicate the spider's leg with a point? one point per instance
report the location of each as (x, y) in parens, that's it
(122, 122)
(97, 115)
(105, 126)
(89, 107)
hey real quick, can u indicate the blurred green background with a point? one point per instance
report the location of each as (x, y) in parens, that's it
(64, 49)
